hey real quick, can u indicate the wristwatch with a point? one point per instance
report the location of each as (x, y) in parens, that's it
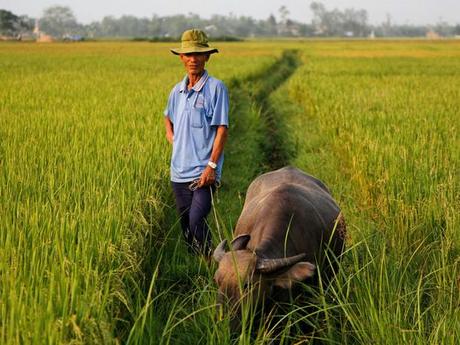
(212, 165)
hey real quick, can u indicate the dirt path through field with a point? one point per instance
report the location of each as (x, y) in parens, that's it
(259, 88)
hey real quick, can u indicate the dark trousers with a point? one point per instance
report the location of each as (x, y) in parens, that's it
(193, 208)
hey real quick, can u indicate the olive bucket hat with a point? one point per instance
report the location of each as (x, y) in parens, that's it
(194, 41)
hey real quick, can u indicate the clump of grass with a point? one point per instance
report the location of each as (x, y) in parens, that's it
(381, 132)
(84, 185)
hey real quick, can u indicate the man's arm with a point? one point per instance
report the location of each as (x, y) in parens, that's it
(169, 130)
(208, 177)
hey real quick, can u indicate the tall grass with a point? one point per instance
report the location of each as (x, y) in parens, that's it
(84, 184)
(80, 187)
(90, 247)
(381, 129)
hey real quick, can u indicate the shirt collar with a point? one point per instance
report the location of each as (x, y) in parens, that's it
(198, 86)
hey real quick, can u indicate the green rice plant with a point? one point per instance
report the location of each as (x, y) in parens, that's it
(377, 121)
(84, 184)
(90, 248)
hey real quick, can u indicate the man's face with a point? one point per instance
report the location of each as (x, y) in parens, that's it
(194, 62)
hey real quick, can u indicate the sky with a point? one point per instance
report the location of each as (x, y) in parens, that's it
(400, 11)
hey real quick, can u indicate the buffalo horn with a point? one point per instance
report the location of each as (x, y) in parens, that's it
(219, 252)
(271, 265)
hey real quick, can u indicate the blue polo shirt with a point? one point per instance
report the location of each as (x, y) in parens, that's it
(195, 115)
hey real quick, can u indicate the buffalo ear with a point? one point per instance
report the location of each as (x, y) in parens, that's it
(219, 252)
(297, 273)
(240, 242)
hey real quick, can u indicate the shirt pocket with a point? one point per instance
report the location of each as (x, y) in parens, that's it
(197, 117)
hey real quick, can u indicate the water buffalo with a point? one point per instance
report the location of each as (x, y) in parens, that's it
(288, 221)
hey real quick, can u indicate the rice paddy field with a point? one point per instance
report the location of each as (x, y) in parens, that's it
(90, 247)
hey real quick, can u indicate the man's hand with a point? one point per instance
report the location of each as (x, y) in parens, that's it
(208, 177)
(169, 130)
(170, 137)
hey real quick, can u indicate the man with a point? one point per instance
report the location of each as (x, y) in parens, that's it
(196, 121)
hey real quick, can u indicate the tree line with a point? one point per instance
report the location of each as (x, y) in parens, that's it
(60, 22)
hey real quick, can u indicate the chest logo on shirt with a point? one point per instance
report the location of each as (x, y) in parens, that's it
(199, 102)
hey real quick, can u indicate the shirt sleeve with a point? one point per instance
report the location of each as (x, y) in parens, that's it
(169, 110)
(221, 106)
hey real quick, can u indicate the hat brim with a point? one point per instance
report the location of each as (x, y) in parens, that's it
(209, 50)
